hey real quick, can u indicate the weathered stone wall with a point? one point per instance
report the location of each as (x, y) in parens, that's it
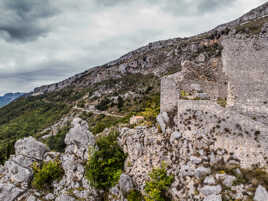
(169, 93)
(244, 138)
(245, 62)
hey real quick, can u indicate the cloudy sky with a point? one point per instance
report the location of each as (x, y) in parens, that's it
(45, 41)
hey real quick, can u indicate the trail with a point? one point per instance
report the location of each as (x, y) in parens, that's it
(95, 111)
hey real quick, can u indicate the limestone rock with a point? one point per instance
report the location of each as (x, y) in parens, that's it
(31, 148)
(163, 121)
(211, 190)
(9, 192)
(65, 198)
(17, 173)
(228, 180)
(202, 171)
(213, 198)
(125, 184)
(174, 136)
(79, 134)
(210, 180)
(261, 194)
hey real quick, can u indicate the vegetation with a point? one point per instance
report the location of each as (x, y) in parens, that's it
(56, 142)
(26, 117)
(152, 109)
(222, 102)
(158, 185)
(135, 195)
(252, 27)
(46, 174)
(105, 166)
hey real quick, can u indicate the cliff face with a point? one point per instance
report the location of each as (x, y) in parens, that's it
(208, 142)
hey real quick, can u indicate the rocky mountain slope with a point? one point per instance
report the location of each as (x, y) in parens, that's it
(9, 97)
(181, 119)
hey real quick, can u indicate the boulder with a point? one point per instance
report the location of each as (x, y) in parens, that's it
(17, 173)
(31, 148)
(163, 121)
(202, 171)
(125, 184)
(209, 180)
(9, 192)
(65, 198)
(174, 136)
(261, 194)
(79, 134)
(211, 190)
(228, 180)
(213, 198)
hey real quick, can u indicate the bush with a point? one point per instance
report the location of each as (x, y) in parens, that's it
(44, 176)
(158, 185)
(135, 195)
(105, 166)
(103, 105)
(56, 142)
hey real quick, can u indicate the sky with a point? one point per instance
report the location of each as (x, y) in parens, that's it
(46, 41)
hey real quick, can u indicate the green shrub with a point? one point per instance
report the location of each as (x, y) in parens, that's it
(222, 102)
(56, 142)
(103, 105)
(135, 195)
(46, 174)
(158, 185)
(105, 166)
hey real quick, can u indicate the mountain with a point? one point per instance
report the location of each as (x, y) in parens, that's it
(179, 119)
(9, 97)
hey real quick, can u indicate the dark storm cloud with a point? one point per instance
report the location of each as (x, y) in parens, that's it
(21, 20)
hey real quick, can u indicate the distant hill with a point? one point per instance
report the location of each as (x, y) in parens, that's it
(9, 97)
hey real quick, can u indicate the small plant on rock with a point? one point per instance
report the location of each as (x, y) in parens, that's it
(46, 174)
(158, 185)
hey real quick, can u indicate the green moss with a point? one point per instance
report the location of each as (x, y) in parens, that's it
(158, 185)
(46, 174)
(105, 165)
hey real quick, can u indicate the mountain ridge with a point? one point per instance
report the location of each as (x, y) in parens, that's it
(9, 97)
(259, 12)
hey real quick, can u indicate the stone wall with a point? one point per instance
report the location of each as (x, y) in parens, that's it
(245, 139)
(245, 62)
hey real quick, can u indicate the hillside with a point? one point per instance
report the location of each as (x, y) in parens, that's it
(9, 97)
(179, 119)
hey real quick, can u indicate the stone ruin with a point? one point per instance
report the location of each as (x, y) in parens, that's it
(224, 97)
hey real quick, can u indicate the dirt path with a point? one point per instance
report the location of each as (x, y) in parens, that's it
(95, 111)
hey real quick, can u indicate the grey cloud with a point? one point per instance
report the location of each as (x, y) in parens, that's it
(176, 7)
(21, 20)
